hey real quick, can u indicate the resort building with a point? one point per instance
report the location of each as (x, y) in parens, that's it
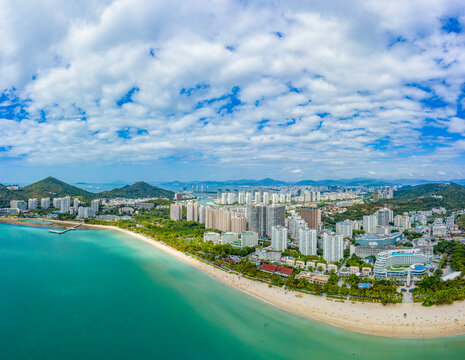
(379, 240)
(400, 263)
(212, 236)
(365, 251)
(313, 278)
(280, 270)
(85, 212)
(249, 239)
(229, 238)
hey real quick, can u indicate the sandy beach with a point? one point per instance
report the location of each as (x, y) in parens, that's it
(367, 318)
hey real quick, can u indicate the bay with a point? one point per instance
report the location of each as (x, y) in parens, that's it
(97, 294)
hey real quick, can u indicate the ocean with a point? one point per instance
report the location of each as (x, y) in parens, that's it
(97, 294)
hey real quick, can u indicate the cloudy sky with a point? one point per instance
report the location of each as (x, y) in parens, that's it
(219, 89)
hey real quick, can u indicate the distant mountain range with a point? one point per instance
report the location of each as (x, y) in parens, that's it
(52, 187)
(329, 182)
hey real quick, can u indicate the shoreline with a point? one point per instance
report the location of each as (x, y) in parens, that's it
(362, 317)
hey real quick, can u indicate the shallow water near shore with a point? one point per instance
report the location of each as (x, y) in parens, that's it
(93, 294)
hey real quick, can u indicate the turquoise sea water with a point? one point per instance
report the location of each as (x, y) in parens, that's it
(101, 295)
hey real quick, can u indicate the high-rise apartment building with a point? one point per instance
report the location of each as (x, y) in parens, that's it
(238, 224)
(344, 228)
(176, 212)
(231, 198)
(192, 212)
(76, 203)
(241, 198)
(18, 204)
(45, 203)
(65, 204)
(333, 247)
(278, 238)
(266, 198)
(385, 216)
(402, 221)
(369, 223)
(296, 223)
(275, 215)
(312, 216)
(32, 204)
(202, 212)
(95, 204)
(307, 241)
(256, 219)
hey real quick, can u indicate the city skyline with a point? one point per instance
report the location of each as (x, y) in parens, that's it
(173, 91)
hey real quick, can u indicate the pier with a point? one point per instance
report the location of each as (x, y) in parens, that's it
(65, 230)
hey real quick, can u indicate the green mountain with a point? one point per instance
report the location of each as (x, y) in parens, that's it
(48, 187)
(138, 190)
(52, 187)
(449, 195)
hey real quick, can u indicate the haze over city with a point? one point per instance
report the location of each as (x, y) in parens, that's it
(292, 90)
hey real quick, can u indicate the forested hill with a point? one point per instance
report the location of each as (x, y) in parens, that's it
(137, 190)
(453, 195)
(52, 187)
(48, 187)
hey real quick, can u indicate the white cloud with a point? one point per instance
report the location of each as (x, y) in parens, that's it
(332, 93)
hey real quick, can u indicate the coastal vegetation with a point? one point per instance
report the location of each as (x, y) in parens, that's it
(187, 237)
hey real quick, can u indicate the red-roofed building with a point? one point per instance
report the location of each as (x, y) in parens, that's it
(269, 268)
(284, 270)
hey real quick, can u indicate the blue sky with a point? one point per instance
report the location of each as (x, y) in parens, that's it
(156, 90)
